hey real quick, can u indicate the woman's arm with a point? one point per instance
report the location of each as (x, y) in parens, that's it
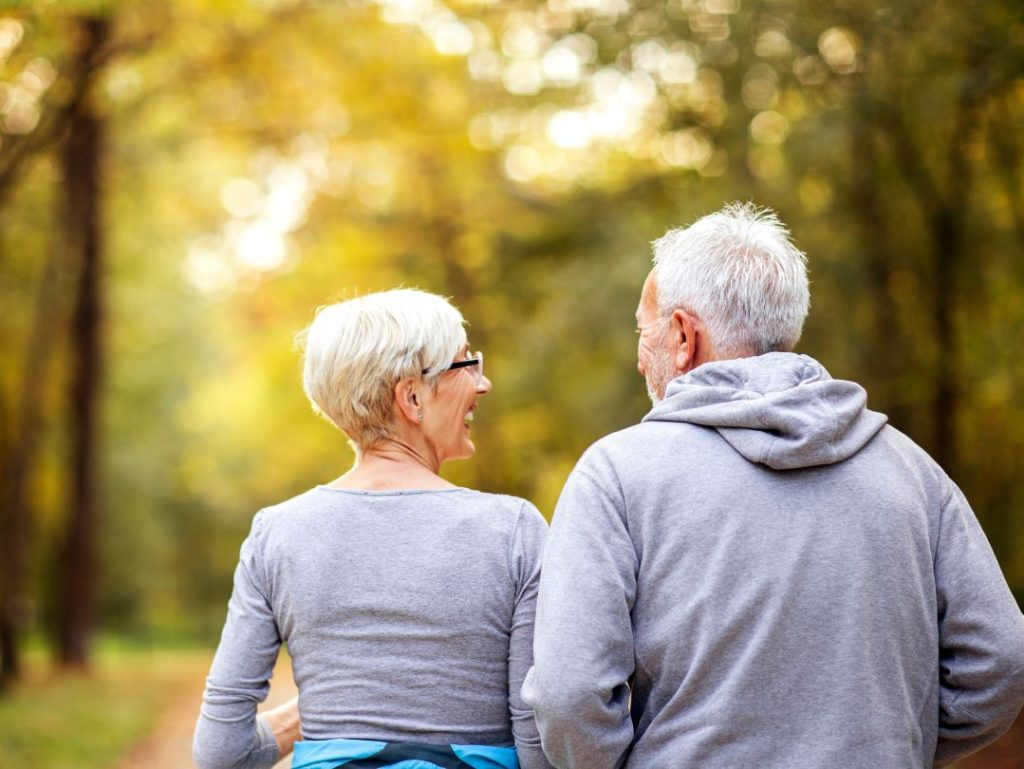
(527, 549)
(228, 734)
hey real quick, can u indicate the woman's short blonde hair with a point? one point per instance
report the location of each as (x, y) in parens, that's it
(356, 351)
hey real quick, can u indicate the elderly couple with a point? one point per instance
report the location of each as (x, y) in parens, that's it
(761, 573)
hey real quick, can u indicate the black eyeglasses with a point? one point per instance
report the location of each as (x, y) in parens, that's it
(477, 361)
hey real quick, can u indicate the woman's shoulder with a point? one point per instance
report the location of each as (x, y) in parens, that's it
(304, 501)
(494, 498)
(286, 512)
(515, 508)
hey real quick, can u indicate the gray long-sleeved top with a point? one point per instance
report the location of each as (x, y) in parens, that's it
(784, 581)
(408, 616)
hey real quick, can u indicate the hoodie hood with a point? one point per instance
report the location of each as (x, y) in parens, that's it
(781, 409)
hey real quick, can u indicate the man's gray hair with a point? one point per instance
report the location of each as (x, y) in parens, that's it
(356, 351)
(737, 271)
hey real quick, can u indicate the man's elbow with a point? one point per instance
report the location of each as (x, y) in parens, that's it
(562, 702)
(555, 698)
(1015, 673)
(1009, 674)
(561, 709)
(974, 716)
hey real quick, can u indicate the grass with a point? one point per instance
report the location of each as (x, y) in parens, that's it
(53, 720)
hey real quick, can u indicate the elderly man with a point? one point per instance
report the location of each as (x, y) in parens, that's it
(763, 573)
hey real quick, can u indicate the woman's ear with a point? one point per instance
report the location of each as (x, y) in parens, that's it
(407, 399)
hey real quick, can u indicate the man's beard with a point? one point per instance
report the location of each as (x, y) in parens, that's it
(659, 374)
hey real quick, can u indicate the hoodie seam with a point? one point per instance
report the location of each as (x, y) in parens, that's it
(762, 419)
(835, 431)
(620, 505)
(947, 498)
(943, 506)
(590, 477)
(954, 704)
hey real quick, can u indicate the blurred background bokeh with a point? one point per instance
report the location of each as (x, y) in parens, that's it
(182, 183)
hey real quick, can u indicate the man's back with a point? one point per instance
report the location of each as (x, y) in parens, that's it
(772, 608)
(778, 574)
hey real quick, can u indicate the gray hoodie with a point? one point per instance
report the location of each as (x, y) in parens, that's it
(763, 574)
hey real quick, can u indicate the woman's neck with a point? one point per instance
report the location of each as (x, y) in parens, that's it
(392, 466)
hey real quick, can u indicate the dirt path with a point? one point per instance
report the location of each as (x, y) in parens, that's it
(170, 744)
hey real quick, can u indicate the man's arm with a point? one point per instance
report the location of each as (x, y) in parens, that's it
(981, 638)
(583, 639)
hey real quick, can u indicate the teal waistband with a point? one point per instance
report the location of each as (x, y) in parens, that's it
(332, 754)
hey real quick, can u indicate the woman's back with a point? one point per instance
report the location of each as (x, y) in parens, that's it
(408, 615)
(409, 612)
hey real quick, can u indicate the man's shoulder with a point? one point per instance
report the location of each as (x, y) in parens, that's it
(627, 452)
(619, 442)
(645, 437)
(902, 450)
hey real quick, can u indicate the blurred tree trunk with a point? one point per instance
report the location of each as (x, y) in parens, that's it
(21, 436)
(887, 353)
(22, 418)
(81, 160)
(1004, 132)
(948, 226)
(944, 200)
(11, 558)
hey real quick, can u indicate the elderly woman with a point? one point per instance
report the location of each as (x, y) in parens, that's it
(406, 602)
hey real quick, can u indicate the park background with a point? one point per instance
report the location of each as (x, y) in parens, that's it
(182, 183)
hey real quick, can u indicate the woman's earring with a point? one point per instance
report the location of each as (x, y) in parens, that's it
(421, 416)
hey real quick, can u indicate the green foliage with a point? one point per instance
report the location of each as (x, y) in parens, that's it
(263, 159)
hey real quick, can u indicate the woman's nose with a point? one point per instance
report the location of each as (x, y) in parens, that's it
(483, 386)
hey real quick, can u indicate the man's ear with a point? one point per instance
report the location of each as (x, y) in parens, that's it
(407, 399)
(686, 340)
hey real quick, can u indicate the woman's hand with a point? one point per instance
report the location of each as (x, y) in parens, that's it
(284, 721)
